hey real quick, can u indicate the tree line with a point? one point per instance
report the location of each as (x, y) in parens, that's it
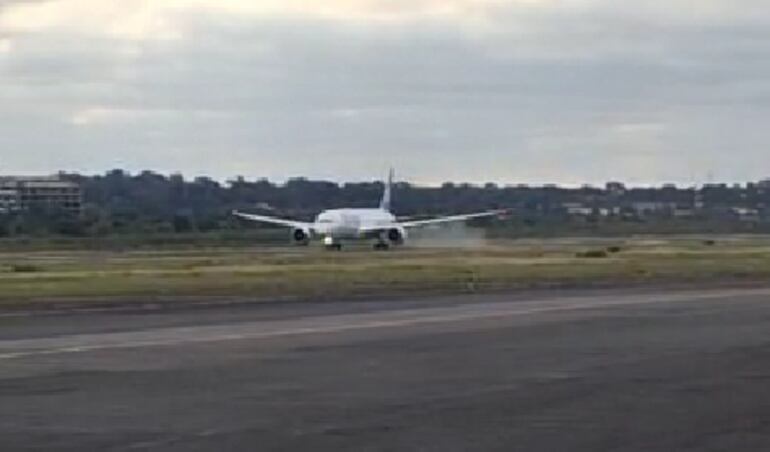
(145, 203)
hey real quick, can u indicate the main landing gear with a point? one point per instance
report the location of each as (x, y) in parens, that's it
(381, 246)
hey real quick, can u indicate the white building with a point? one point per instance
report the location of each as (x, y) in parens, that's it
(22, 193)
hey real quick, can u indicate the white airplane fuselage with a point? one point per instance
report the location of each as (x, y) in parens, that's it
(338, 224)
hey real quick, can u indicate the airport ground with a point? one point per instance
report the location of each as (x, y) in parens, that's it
(578, 370)
(644, 344)
(33, 277)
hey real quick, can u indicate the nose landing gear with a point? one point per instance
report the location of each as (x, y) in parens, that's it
(331, 245)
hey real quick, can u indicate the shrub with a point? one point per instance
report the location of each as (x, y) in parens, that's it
(593, 254)
(24, 268)
(614, 249)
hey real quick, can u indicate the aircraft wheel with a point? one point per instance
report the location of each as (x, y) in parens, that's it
(381, 246)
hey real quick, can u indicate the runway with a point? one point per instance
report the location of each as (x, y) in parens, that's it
(579, 371)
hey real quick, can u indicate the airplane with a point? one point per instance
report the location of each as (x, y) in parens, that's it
(378, 224)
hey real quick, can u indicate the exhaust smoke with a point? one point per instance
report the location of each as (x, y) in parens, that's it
(453, 235)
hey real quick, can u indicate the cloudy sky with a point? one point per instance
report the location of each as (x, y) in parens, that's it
(520, 91)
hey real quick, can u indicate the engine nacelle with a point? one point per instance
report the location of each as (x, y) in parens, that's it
(396, 236)
(300, 236)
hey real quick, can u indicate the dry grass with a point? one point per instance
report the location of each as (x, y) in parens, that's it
(267, 272)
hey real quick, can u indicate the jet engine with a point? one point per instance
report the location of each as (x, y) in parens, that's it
(396, 236)
(300, 236)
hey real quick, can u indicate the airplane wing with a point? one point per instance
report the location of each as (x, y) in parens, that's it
(451, 218)
(273, 220)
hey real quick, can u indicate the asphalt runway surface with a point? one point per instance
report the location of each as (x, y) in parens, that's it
(581, 371)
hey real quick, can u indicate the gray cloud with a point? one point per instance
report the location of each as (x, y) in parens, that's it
(543, 95)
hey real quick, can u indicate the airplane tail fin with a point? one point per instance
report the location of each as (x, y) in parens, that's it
(385, 203)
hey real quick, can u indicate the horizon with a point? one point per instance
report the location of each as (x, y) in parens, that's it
(398, 180)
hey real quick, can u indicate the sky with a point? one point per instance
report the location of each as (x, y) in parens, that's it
(520, 91)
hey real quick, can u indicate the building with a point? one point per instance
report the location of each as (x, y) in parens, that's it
(9, 200)
(746, 215)
(49, 192)
(577, 209)
(644, 208)
(615, 188)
